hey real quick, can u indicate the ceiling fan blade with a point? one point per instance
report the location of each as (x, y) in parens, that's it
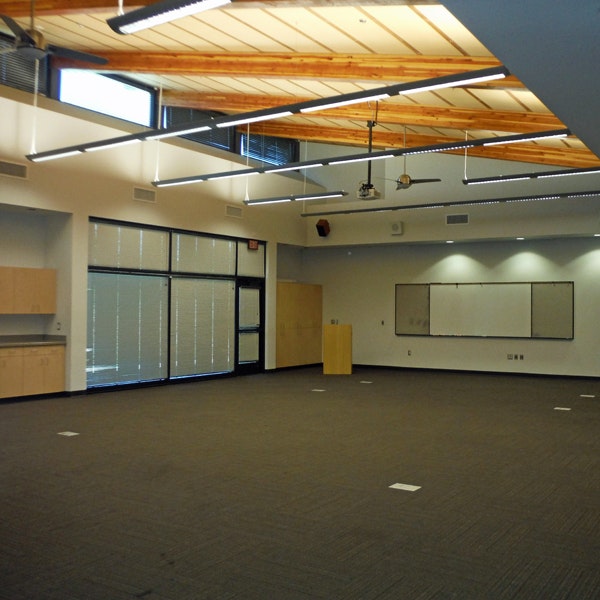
(76, 55)
(424, 180)
(17, 30)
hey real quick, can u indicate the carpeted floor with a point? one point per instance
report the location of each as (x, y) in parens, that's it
(277, 486)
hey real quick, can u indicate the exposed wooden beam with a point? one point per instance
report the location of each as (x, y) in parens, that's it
(530, 153)
(388, 112)
(355, 67)
(61, 7)
(22, 8)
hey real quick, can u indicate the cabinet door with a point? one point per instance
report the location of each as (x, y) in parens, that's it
(54, 369)
(44, 369)
(11, 372)
(7, 299)
(33, 367)
(34, 291)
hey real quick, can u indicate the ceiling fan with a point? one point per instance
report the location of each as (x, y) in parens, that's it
(31, 44)
(405, 180)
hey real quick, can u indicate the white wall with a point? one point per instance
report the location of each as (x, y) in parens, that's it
(44, 218)
(358, 288)
(44, 222)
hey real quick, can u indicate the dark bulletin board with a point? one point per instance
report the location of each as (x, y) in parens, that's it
(412, 309)
(552, 310)
(514, 310)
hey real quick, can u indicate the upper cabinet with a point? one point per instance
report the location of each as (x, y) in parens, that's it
(26, 291)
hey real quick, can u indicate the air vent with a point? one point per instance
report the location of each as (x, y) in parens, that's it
(144, 195)
(234, 211)
(457, 219)
(13, 170)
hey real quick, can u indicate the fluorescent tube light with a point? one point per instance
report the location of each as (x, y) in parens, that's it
(109, 144)
(528, 138)
(588, 171)
(499, 179)
(294, 167)
(43, 156)
(533, 175)
(590, 194)
(245, 120)
(339, 103)
(465, 81)
(231, 174)
(159, 13)
(363, 158)
(298, 197)
(168, 133)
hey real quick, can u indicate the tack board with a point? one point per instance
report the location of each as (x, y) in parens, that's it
(412, 309)
(552, 310)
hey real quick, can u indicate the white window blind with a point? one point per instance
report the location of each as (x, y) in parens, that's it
(251, 263)
(127, 328)
(202, 326)
(128, 247)
(249, 310)
(248, 346)
(202, 254)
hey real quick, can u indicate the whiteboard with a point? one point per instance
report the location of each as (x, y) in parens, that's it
(481, 309)
(542, 309)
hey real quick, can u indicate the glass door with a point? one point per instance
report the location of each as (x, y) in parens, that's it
(250, 329)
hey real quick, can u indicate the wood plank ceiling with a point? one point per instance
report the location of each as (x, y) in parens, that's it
(256, 54)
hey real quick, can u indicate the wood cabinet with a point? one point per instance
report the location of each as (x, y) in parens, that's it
(30, 370)
(11, 372)
(299, 324)
(7, 287)
(25, 291)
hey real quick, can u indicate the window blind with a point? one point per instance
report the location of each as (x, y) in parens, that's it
(203, 254)
(202, 326)
(127, 328)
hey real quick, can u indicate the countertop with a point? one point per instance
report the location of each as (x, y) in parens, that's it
(32, 340)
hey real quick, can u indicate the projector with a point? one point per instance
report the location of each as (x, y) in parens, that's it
(367, 192)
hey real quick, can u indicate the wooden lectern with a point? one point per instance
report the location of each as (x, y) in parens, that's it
(337, 350)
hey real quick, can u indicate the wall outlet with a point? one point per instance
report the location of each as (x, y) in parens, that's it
(509, 356)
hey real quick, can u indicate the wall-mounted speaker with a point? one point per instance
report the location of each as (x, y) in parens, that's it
(323, 228)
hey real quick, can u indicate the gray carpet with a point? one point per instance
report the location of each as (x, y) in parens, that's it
(277, 486)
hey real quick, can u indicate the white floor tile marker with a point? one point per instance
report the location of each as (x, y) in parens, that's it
(67, 433)
(406, 487)
(587, 395)
(561, 408)
(317, 390)
(366, 382)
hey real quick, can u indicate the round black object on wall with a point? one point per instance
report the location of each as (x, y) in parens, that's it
(323, 228)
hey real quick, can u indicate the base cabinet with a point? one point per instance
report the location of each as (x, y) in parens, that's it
(26, 371)
(11, 372)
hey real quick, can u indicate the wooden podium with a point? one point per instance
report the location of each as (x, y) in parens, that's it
(337, 350)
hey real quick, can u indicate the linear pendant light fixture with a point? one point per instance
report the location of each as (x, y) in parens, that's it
(538, 175)
(295, 197)
(362, 157)
(159, 13)
(459, 79)
(396, 207)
